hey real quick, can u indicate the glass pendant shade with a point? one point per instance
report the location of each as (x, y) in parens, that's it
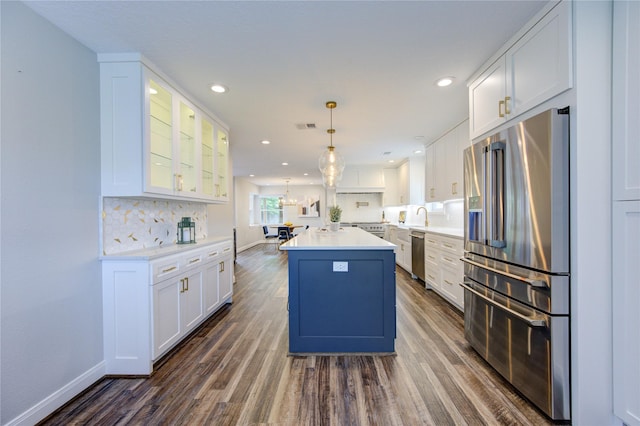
(331, 164)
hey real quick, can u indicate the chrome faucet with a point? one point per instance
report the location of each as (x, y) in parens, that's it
(426, 215)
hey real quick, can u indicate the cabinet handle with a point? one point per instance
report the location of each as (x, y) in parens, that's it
(454, 188)
(448, 259)
(186, 280)
(506, 105)
(432, 192)
(221, 269)
(227, 249)
(447, 245)
(182, 286)
(213, 253)
(192, 261)
(178, 182)
(500, 105)
(448, 282)
(168, 269)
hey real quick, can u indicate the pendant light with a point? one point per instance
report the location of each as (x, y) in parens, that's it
(287, 201)
(331, 163)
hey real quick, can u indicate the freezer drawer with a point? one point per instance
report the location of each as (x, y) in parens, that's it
(527, 347)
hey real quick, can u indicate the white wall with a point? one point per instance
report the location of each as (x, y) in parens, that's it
(247, 235)
(51, 290)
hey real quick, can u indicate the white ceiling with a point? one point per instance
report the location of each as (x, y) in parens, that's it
(283, 60)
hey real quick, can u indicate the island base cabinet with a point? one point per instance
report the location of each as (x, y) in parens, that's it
(342, 301)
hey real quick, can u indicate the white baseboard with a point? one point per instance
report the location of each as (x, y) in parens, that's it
(60, 397)
(248, 246)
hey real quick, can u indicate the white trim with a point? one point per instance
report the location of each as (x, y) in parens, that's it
(60, 397)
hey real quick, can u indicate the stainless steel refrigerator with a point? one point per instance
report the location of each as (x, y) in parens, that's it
(517, 257)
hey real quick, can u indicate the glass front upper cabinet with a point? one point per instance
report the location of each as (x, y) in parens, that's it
(160, 137)
(222, 165)
(186, 177)
(155, 142)
(207, 158)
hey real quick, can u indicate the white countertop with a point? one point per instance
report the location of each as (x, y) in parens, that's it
(156, 252)
(441, 230)
(347, 238)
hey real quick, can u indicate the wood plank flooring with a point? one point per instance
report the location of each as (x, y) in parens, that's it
(234, 370)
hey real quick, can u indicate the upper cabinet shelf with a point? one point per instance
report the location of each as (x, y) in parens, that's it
(535, 68)
(155, 142)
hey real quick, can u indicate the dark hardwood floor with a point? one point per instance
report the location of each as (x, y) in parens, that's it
(235, 370)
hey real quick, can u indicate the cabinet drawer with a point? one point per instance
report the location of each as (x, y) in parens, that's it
(452, 246)
(431, 256)
(431, 241)
(166, 268)
(193, 260)
(450, 260)
(450, 286)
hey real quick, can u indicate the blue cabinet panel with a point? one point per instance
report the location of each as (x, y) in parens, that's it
(352, 311)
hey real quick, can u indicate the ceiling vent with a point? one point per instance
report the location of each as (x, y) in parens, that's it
(303, 126)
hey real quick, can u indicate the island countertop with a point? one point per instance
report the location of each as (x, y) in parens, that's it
(348, 238)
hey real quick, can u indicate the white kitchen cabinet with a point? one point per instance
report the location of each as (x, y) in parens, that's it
(150, 304)
(443, 269)
(391, 196)
(431, 262)
(154, 141)
(626, 310)
(403, 254)
(430, 164)
(626, 101)
(536, 67)
(362, 179)
(411, 181)
(626, 212)
(177, 302)
(443, 165)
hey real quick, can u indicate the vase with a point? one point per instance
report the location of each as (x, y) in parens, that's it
(334, 226)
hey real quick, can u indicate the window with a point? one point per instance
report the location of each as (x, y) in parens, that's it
(265, 209)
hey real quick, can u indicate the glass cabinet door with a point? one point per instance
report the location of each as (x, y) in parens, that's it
(207, 157)
(187, 176)
(222, 151)
(161, 140)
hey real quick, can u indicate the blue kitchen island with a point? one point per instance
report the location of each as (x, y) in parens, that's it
(342, 292)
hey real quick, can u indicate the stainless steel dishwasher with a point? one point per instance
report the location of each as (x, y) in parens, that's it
(417, 254)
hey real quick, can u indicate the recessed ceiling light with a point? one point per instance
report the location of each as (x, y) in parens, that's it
(417, 151)
(252, 175)
(445, 81)
(265, 142)
(306, 174)
(219, 88)
(285, 164)
(392, 161)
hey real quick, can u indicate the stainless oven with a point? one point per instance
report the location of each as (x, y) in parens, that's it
(375, 228)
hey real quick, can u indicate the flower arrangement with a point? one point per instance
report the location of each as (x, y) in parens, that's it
(335, 212)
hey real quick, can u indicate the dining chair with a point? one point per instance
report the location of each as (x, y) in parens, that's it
(270, 237)
(284, 234)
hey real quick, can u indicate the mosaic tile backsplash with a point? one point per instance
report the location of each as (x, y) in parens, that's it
(133, 224)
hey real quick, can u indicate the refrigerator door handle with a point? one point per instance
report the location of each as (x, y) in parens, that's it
(496, 217)
(532, 283)
(533, 322)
